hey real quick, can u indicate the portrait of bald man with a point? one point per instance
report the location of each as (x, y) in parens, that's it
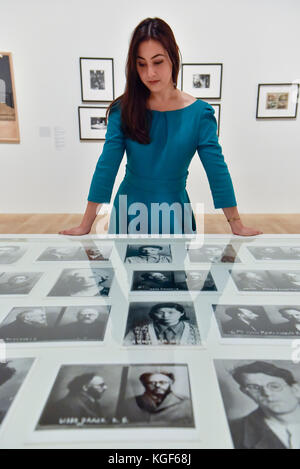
(87, 323)
(30, 323)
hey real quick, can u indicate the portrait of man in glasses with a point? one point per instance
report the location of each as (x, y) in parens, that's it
(275, 423)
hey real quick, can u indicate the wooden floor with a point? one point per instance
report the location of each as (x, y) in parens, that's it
(35, 223)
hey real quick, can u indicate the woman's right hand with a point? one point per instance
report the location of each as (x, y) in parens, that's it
(87, 221)
(77, 231)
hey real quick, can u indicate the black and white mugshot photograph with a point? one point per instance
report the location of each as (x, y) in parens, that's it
(83, 322)
(242, 320)
(156, 395)
(63, 253)
(252, 280)
(98, 253)
(18, 283)
(12, 375)
(83, 282)
(148, 253)
(262, 402)
(29, 324)
(255, 321)
(287, 280)
(173, 280)
(199, 280)
(55, 323)
(159, 323)
(144, 280)
(91, 252)
(267, 280)
(276, 253)
(11, 253)
(214, 253)
(83, 396)
(286, 318)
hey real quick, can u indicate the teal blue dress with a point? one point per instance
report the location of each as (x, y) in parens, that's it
(156, 173)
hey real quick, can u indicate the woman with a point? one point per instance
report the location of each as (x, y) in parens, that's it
(169, 325)
(161, 128)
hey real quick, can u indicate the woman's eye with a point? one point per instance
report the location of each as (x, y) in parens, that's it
(155, 63)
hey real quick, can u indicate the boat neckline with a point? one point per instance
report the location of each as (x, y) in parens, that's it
(175, 110)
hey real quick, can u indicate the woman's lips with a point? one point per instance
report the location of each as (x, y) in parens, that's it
(153, 82)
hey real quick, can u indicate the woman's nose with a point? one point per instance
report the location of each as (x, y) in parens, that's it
(151, 71)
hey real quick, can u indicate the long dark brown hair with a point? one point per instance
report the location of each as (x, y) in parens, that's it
(134, 116)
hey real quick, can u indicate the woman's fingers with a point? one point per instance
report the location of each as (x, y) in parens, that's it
(245, 231)
(77, 231)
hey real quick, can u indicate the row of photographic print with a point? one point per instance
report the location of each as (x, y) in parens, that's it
(91, 282)
(150, 253)
(260, 398)
(154, 323)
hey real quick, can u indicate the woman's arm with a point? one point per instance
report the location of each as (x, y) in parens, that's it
(87, 221)
(219, 179)
(104, 174)
(236, 225)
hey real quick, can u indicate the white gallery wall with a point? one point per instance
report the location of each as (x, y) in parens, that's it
(256, 40)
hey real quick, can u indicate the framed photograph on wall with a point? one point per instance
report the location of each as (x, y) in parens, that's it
(9, 124)
(277, 100)
(202, 80)
(217, 108)
(92, 123)
(97, 79)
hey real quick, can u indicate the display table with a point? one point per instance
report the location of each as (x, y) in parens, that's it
(140, 343)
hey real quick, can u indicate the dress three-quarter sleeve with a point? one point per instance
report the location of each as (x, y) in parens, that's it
(109, 160)
(211, 156)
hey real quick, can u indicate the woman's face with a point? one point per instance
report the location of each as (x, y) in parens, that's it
(154, 65)
(168, 315)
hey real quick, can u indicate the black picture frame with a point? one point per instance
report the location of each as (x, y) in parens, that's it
(86, 132)
(100, 87)
(217, 115)
(286, 108)
(212, 77)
